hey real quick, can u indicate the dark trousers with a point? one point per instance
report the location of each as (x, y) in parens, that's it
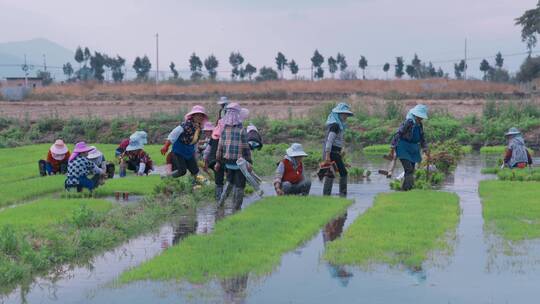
(134, 166)
(85, 182)
(408, 180)
(183, 165)
(236, 178)
(336, 157)
(46, 168)
(219, 176)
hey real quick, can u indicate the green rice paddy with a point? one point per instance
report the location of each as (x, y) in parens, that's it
(251, 241)
(400, 228)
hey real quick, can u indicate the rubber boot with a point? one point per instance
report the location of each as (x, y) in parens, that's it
(219, 191)
(327, 187)
(225, 194)
(42, 170)
(238, 198)
(343, 186)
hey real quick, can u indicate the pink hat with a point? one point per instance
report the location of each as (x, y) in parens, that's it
(59, 147)
(235, 106)
(196, 110)
(208, 126)
(80, 147)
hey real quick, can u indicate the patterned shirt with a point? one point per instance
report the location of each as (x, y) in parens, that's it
(139, 156)
(79, 167)
(233, 144)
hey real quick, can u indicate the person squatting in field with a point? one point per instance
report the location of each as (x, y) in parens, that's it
(232, 146)
(98, 158)
(407, 142)
(184, 139)
(56, 161)
(79, 167)
(517, 155)
(134, 157)
(333, 147)
(290, 177)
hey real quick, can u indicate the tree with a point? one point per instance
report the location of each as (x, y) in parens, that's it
(411, 71)
(332, 66)
(417, 65)
(97, 62)
(484, 67)
(316, 62)
(210, 64)
(530, 26)
(294, 68)
(68, 70)
(459, 68)
(399, 67)
(266, 74)
(250, 70)
(116, 65)
(440, 73)
(142, 67)
(195, 66)
(281, 63)
(499, 60)
(362, 63)
(79, 56)
(87, 55)
(340, 58)
(236, 60)
(498, 75)
(172, 67)
(529, 70)
(386, 68)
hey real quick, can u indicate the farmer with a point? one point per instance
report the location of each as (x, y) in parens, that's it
(184, 139)
(57, 159)
(209, 154)
(121, 147)
(233, 146)
(408, 141)
(79, 167)
(517, 155)
(254, 138)
(134, 157)
(290, 178)
(204, 141)
(333, 147)
(98, 158)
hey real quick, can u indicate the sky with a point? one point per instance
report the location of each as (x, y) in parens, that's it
(380, 30)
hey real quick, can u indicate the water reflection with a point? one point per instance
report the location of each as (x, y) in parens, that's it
(235, 289)
(331, 232)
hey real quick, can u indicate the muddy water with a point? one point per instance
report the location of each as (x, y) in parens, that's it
(477, 271)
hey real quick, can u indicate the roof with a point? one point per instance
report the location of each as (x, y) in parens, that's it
(23, 78)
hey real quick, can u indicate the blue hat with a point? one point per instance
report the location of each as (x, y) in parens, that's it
(420, 111)
(137, 141)
(342, 108)
(512, 131)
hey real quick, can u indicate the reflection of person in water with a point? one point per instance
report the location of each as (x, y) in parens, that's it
(331, 232)
(235, 289)
(206, 219)
(187, 225)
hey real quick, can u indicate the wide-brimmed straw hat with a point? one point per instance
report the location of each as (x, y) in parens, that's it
(81, 147)
(235, 106)
(198, 109)
(512, 131)
(296, 150)
(342, 108)
(95, 153)
(223, 100)
(420, 111)
(59, 147)
(137, 141)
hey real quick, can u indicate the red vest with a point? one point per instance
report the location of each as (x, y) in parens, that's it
(290, 175)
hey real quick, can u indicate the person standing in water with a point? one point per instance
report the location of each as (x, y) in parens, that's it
(407, 142)
(333, 146)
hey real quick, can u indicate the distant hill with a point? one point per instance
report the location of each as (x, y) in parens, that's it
(12, 57)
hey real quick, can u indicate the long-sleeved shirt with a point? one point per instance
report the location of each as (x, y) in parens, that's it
(55, 163)
(233, 144)
(405, 131)
(334, 138)
(79, 167)
(280, 170)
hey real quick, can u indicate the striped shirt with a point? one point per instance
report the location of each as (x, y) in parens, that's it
(233, 144)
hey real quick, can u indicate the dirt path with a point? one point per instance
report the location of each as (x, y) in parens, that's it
(276, 109)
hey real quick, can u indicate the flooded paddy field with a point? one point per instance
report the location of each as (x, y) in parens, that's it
(480, 268)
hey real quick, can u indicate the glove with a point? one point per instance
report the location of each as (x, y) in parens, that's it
(165, 147)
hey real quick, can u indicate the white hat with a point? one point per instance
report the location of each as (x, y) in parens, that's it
(251, 127)
(94, 153)
(223, 100)
(296, 150)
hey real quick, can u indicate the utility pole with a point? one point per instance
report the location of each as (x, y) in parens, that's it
(25, 69)
(44, 62)
(157, 62)
(465, 71)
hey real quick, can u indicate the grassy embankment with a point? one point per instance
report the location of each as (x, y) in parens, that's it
(251, 241)
(400, 228)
